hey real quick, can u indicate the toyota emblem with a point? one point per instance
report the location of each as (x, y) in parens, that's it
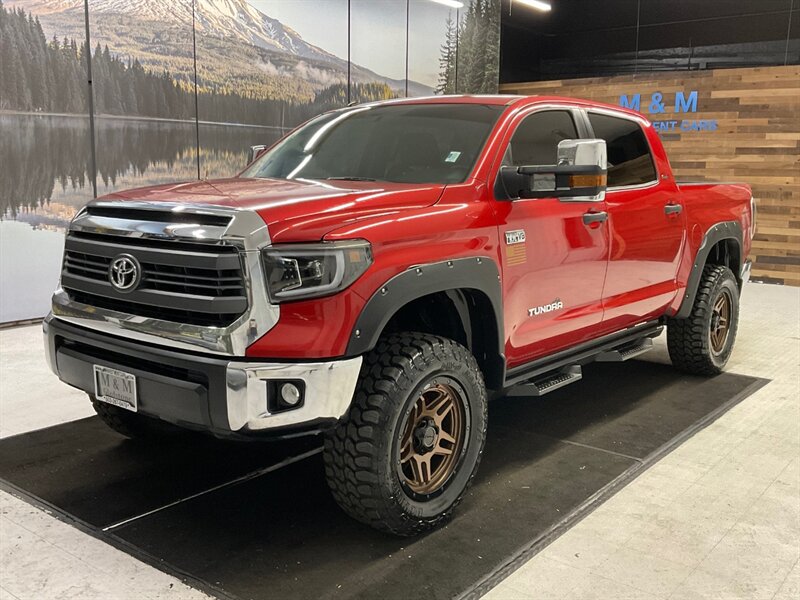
(124, 273)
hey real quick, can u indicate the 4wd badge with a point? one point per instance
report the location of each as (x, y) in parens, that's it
(515, 237)
(515, 248)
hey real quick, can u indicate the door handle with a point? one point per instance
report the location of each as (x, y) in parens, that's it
(591, 218)
(673, 209)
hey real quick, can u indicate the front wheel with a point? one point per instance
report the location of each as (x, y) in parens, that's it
(402, 458)
(702, 343)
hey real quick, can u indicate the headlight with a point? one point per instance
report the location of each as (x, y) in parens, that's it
(296, 271)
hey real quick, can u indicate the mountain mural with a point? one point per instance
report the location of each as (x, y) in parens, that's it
(239, 48)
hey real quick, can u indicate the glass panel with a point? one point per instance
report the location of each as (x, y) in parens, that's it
(725, 41)
(262, 71)
(586, 39)
(378, 39)
(417, 143)
(478, 48)
(448, 44)
(142, 64)
(44, 149)
(535, 142)
(573, 40)
(629, 160)
(431, 48)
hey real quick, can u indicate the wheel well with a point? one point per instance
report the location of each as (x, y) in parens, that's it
(463, 315)
(727, 253)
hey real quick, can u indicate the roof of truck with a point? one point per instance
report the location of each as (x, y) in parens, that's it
(496, 99)
(515, 100)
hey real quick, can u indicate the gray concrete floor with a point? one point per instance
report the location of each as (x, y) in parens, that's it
(717, 518)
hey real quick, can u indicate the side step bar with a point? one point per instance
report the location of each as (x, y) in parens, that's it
(627, 352)
(550, 381)
(547, 383)
(581, 354)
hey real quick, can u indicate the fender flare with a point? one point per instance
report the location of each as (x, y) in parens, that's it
(478, 273)
(726, 230)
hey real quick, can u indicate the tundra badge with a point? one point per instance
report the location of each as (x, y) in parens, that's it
(546, 308)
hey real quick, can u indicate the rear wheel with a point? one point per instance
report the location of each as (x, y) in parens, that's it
(404, 455)
(702, 343)
(131, 424)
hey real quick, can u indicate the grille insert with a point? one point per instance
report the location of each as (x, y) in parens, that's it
(156, 312)
(184, 286)
(167, 278)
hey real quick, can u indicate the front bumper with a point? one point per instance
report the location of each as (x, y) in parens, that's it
(225, 397)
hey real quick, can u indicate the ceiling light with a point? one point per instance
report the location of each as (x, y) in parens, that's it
(450, 3)
(538, 4)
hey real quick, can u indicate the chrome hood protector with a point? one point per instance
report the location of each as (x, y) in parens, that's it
(136, 221)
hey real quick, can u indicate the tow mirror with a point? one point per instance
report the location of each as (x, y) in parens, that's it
(580, 175)
(253, 152)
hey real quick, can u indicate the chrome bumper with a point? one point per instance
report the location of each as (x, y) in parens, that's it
(224, 396)
(329, 388)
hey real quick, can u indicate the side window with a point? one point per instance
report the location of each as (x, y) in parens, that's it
(535, 142)
(629, 159)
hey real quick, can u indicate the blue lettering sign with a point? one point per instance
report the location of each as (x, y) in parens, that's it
(634, 103)
(656, 104)
(683, 104)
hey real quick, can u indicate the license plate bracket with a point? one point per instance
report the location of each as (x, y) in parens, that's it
(116, 387)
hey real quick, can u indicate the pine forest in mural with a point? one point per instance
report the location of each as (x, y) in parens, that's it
(263, 66)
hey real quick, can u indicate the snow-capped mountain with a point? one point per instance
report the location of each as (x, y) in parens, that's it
(236, 40)
(239, 19)
(222, 18)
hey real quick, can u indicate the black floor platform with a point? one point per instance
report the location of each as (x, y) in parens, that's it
(256, 520)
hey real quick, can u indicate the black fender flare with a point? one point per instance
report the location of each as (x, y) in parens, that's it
(726, 230)
(478, 273)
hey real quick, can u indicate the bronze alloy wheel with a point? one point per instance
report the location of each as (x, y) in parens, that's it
(404, 456)
(433, 439)
(720, 322)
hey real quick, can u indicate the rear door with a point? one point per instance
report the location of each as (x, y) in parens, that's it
(646, 223)
(553, 262)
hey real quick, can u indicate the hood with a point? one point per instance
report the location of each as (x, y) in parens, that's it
(296, 210)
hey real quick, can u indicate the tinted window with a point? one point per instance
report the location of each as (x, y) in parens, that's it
(535, 142)
(629, 160)
(410, 143)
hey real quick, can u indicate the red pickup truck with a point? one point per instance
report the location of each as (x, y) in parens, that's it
(378, 273)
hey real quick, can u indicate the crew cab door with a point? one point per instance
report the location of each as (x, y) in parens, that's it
(646, 223)
(553, 252)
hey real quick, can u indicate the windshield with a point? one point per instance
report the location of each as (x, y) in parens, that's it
(408, 143)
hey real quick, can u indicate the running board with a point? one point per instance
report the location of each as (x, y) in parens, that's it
(626, 352)
(548, 382)
(581, 354)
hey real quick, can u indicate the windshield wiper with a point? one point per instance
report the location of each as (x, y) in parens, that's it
(350, 179)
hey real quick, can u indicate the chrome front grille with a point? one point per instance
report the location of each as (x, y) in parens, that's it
(201, 287)
(186, 286)
(187, 280)
(168, 278)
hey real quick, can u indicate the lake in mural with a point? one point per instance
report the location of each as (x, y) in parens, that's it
(44, 180)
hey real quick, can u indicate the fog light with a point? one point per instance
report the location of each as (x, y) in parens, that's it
(285, 394)
(290, 394)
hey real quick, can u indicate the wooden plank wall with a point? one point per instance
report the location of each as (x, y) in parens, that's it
(757, 142)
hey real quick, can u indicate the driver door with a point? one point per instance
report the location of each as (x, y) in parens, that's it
(554, 253)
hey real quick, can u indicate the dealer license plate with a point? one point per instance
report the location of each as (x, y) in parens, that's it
(115, 387)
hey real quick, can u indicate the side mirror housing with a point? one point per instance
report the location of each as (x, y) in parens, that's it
(254, 151)
(580, 175)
